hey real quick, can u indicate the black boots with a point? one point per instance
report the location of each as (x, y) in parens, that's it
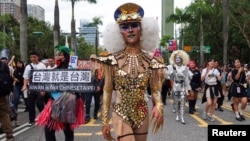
(219, 108)
(191, 104)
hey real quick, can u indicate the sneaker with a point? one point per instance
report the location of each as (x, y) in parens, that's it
(220, 109)
(31, 124)
(15, 124)
(242, 117)
(204, 115)
(238, 118)
(211, 118)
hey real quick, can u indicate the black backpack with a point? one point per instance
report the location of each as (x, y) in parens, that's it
(5, 80)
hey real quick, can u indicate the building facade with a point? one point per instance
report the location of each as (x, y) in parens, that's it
(167, 10)
(36, 11)
(11, 7)
(89, 33)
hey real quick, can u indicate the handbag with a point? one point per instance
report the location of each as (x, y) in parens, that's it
(64, 108)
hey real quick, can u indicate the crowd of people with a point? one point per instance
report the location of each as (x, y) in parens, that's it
(128, 72)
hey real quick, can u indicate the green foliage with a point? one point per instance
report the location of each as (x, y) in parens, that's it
(42, 43)
(84, 49)
(239, 28)
(164, 40)
(95, 22)
(10, 32)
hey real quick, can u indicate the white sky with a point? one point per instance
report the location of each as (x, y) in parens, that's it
(104, 9)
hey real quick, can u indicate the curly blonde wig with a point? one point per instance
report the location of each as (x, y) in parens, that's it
(181, 53)
(114, 42)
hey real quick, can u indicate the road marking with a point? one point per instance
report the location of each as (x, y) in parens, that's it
(202, 123)
(83, 134)
(91, 123)
(16, 131)
(246, 114)
(21, 131)
(223, 122)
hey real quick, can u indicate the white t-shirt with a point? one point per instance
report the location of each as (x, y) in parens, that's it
(211, 77)
(248, 77)
(49, 67)
(38, 66)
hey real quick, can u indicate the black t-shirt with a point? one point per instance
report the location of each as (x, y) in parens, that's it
(242, 78)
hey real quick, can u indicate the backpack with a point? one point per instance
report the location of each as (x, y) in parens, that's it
(5, 80)
(64, 108)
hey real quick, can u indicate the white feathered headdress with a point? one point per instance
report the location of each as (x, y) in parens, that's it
(114, 42)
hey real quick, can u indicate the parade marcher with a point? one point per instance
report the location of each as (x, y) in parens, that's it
(195, 84)
(34, 97)
(248, 83)
(45, 117)
(4, 104)
(18, 83)
(96, 94)
(221, 98)
(210, 76)
(51, 63)
(179, 73)
(238, 90)
(127, 70)
(224, 80)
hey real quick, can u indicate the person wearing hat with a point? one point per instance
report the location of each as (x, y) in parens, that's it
(128, 69)
(88, 96)
(46, 117)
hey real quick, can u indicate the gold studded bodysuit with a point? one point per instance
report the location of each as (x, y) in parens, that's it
(132, 106)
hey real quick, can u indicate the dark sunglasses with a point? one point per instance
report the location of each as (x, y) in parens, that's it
(127, 26)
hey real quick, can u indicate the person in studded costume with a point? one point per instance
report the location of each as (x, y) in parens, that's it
(181, 76)
(128, 69)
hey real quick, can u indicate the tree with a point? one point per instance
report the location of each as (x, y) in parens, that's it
(23, 30)
(180, 17)
(73, 30)
(240, 18)
(198, 10)
(225, 29)
(95, 22)
(9, 25)
(43, 42)
(56, 24)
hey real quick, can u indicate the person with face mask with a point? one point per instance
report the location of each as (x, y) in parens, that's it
(179, 73)
(128, 68)
(71, 114)
(195, 84)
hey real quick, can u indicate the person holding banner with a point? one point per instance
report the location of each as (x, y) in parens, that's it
(55, 117)
(128, 68)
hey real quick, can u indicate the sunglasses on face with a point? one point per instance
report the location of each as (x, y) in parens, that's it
(129, 26)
